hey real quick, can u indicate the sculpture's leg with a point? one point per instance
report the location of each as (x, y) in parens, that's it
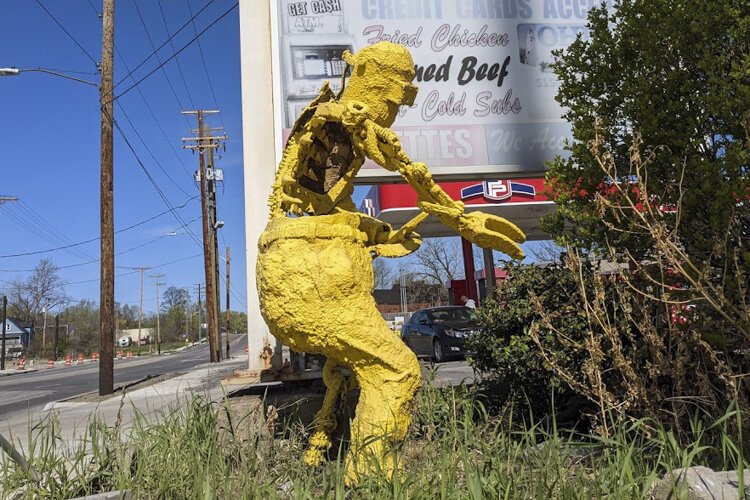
(325, 419)
(389, 376)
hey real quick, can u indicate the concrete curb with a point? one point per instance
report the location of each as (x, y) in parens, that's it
(8, 373)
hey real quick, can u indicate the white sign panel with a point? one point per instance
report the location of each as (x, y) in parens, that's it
(486, 104)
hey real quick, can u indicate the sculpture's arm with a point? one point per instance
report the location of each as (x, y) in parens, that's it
(383, 146)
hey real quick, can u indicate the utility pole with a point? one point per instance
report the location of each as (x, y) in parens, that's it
(57, 328)
(158, 282)
(107, 270)
(44, 330)
(229, 312)
(4, 199)
(200, 306)
(203, 142)
(2, 344)
(187, 315)
(213, 175)
(140, 309)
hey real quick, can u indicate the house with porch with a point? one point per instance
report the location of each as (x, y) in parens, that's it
(18, 337)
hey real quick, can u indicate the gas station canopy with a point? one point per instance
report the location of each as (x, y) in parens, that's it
(520, 201)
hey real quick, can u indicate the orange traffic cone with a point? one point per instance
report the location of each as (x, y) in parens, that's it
(130, 354)
(51, 363)
(68, 360)
(119, 354)
(94, 356)
(21, 364)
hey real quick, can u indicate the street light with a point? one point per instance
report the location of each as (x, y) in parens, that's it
(16, 71)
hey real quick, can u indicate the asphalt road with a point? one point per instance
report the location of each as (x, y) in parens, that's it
(29, 392)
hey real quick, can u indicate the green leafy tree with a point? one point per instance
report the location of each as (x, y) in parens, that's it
(82, 319)
(659, 101)
(658, 97)
(676, 75)
(174, 310)
(238, 322)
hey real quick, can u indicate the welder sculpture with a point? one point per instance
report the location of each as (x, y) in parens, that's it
(314, 271)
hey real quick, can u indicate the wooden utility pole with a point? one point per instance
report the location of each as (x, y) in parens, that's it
(44, 330)
(200, 306)
(4, 326)
(187, 313)
(212, 179)
(140, 309)
(229, 312)
(158, 283)
(203, 142)
(107, 284)
(57, 328)
(4, 199)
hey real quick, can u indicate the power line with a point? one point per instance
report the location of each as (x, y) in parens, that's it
(158, 59)
(66, 283)
(66, 32)
(203, 58)
(163, 44)
(136, 270)
(37, 252)
(51, 228)
(156, 120)
(131, 249)
(145, 101)
(158, 164)
(154, 184)
(33, 228)
(138, 82)
(177, 59)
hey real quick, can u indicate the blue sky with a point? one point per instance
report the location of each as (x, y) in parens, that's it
(50, 141)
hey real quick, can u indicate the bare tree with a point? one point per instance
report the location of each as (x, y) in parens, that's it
(384, 274)
(44, 289)
(547, 251)
(438, 261)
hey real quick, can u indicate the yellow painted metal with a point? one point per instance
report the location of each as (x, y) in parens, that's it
(314, 270)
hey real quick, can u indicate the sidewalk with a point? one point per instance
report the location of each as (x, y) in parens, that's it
(149, 403)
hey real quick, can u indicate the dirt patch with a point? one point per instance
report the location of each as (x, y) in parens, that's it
(120, 390)
(277, 413)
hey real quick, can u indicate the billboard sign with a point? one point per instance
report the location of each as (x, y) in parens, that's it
(486, 104)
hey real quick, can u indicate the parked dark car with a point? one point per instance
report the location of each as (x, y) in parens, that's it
(440, 332)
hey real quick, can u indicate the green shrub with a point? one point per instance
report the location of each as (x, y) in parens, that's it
(509, 361)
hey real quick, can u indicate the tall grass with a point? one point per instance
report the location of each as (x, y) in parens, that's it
(455, 450)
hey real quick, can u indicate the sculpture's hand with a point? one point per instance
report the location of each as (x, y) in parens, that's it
(485, 230)
(401, 242)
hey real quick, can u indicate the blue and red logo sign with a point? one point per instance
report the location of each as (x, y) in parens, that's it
(497, 190)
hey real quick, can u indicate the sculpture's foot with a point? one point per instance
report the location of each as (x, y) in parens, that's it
(375, 460)
(384, 413)
(315, 453)
(325, 419)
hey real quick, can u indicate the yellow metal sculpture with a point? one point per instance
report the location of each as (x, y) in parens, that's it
(314, 270)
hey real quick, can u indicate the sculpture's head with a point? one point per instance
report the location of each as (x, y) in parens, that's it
(381, 78)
